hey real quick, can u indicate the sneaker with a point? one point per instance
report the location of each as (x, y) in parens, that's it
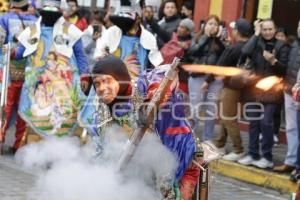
(263, 163)
(233, 156)
(247, 160)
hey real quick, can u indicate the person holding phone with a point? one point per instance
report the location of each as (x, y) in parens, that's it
(94, 31)
(204, 90)
(269, 57)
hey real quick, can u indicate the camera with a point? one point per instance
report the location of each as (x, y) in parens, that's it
(96, 28)
(270, 47)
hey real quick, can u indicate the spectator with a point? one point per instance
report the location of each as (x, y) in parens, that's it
(106, 19)
(148, 13)
(177, 47)
(167, 25)
(180, 41)
(205, 89)
(187, 10)
(74, 16)
(92, 34)
(291, 108)
(281, 34)
(269, 57)
(295, 176)
(231, 94)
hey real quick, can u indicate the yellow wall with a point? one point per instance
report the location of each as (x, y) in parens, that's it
(216, 7)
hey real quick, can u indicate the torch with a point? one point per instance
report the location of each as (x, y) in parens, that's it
(157, 99)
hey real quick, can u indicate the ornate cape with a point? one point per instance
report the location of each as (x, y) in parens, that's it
(51, 94)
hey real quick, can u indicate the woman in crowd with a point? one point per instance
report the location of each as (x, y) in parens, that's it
(205, 89)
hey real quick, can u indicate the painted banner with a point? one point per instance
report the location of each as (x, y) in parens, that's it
(51, 94)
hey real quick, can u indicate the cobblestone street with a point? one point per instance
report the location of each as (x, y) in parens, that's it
(17, 184)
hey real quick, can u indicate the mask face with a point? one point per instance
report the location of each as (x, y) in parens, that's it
(49, 17)
(106, 87)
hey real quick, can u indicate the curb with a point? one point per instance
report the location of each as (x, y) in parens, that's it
(254, 175)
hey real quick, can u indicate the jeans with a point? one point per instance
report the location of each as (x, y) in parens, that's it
(291, 129)
(264, 124)
(277, 120)
(206, 101)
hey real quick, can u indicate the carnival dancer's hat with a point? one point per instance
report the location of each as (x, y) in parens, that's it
(111, 65)
(51, 5)
(126, 16)
(18, 3)
(51, 11)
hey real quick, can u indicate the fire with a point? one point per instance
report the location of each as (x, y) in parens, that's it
(211, 69)
(267, 83)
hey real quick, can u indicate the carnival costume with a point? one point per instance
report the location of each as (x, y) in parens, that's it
(11, 24)
(51, 94)
(97, 117)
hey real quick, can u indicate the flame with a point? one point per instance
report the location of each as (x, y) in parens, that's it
(212, 69)
(267, 83)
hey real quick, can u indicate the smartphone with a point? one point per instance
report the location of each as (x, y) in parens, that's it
(96, 29)
(202, 24)
(270, 47)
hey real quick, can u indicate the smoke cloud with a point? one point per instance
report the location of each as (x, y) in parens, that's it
(67, 171)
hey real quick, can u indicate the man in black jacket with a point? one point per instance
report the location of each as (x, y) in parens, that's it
(231, 95)
(268, 57)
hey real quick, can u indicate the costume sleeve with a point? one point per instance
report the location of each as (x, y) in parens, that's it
(81, 59)
(17, 52)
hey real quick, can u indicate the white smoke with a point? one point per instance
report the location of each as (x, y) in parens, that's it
(67, 171)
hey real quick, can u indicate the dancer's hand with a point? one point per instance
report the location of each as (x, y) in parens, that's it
(204, 86)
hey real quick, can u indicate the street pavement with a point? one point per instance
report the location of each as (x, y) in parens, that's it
(16, 183)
